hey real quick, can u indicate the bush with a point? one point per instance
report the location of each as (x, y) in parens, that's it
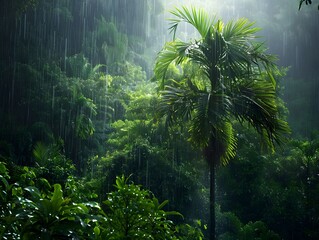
(134, 213)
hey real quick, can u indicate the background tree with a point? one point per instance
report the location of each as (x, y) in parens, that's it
(233, 78)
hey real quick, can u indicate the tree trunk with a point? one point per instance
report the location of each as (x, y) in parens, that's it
(212, 155)
(212, 214)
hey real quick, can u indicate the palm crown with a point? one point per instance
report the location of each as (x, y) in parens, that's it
(233, 79)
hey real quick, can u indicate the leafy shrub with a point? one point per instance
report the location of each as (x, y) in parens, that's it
(133, 213)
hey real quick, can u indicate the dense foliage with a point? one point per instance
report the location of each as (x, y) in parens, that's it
(79, 114)
(31, 210)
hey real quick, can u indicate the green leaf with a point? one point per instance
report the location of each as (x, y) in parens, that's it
(4, 182)
(92, 205)
(198, 18)
(162, 204)
(174, 213)
(97, 230)
(3, 168)
(35, 193)
(57, 197)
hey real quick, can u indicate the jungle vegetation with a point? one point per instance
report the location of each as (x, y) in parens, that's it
(113, 128)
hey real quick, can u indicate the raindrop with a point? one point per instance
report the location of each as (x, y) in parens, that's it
(25, 25)
(65, 51)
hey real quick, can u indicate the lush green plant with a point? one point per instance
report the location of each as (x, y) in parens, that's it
(52, 216)
(29, 212)
(133, 213)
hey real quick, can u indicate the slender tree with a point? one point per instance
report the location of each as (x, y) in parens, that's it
(232, 79)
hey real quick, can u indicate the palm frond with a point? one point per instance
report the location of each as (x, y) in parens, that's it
(281, 131)
(196, 17)
(198, 56)
(255, 103)
(240, 31)
(219, 138)
(201, 126)
(209, 111)
(176, 102)
(172, 52)
(243, 53)
(265, 62)
(228, 140)
(253, 98)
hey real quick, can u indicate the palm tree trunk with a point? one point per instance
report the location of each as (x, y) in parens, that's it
(212, 214)
(211, 155)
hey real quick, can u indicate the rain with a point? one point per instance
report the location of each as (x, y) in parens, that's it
(134, 119)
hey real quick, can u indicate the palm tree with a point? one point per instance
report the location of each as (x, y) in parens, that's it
(227, 76)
